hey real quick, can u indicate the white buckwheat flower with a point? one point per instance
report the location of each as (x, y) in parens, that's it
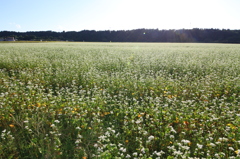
(150, 138)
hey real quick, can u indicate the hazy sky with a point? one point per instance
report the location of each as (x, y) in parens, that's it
(77, 15)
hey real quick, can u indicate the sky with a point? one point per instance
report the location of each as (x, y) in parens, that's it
(77, 15)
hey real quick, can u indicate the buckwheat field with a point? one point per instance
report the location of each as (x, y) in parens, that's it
(119, 100)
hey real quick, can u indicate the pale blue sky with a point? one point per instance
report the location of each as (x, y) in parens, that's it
(77, 15)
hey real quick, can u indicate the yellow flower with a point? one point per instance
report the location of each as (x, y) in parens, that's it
(177, 120)
(106, 113)
(237, 152)
(126, 141)
(38, 104)
(231, 126)
(169, 96)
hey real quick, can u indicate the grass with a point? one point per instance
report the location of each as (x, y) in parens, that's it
(119, 100)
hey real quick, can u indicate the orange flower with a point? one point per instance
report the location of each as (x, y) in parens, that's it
(186, 122)
(11, 125)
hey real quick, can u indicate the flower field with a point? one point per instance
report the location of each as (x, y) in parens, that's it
(119, 100)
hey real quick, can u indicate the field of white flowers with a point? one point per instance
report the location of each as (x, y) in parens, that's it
(119, 100)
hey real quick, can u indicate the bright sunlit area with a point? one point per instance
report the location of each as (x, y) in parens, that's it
(76, 15)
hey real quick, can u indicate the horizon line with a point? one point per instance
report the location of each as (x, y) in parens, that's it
(117, 30)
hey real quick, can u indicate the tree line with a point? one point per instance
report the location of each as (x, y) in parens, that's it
(137, 35)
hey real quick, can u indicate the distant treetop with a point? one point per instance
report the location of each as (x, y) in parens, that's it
(137, 35)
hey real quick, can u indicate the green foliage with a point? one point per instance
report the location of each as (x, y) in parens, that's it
(119, 100)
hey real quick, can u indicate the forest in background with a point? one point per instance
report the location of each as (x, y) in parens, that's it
(137, 35)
